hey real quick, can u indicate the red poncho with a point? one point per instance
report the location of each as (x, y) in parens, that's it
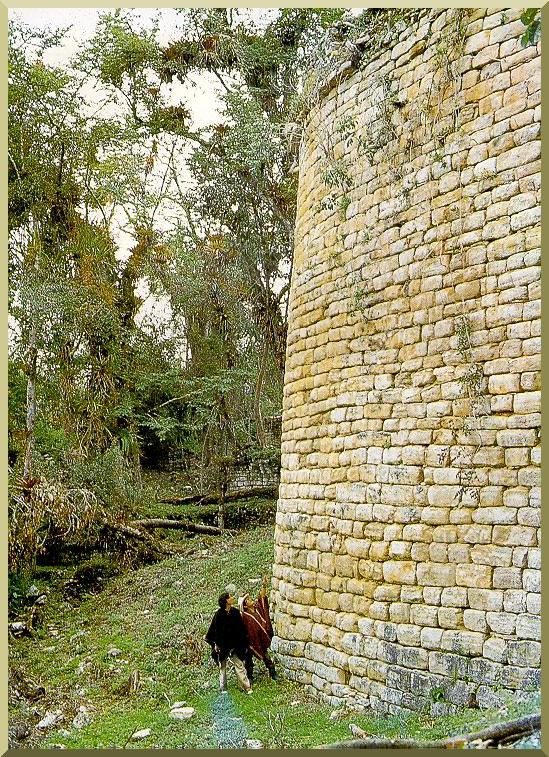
(259, 627)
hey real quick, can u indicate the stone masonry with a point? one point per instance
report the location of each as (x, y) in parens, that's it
(407, 560)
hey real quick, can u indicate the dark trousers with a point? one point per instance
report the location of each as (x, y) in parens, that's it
(249, 664)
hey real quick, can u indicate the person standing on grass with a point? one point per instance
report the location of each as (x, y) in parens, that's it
(259, 628)
(228, 639)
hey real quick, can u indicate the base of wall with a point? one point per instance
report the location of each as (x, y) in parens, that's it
(396, 689)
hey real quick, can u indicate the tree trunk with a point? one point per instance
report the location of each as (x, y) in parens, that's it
(184, 525)
(31, 405)
(222, 494)
(259, 426)
(500, 732)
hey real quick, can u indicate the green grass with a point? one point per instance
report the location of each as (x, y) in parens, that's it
(157, 616)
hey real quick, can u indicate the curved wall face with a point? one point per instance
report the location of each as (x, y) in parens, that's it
(407, 539)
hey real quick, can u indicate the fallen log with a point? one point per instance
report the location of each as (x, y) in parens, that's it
(508, 732)
(210, 499)
(129, 533)
(198, 528)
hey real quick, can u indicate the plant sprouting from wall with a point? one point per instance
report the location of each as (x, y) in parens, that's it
(531, 18)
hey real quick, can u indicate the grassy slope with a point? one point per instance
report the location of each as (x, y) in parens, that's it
(157, 617)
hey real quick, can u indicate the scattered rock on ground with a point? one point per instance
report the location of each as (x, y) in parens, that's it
(78, 634)
(82, 719)
(82, 667)
(182, 713)
(19, 628)
(114, 652)
(142, 734)
(49, 719)
(177, 705)
(253, 744)
(17, 731)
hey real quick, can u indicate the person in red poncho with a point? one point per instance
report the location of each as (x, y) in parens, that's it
(260, 630)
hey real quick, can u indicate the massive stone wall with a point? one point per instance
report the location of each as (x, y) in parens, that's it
(407, 540)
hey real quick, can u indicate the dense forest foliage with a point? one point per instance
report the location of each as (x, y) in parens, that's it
(118, 200)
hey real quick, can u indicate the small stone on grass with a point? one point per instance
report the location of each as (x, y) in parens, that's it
(142, 734)
(182, 713)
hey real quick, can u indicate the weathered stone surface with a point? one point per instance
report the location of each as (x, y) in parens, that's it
(409, 513)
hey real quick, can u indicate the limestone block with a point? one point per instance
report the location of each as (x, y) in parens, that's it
(503, 384)
(446, 664)
(514, 600)
(514, 535)
(411, 594)
(399, 572)
(476, 576)
(524, 653)
(450, 617)
(424, 615)
(530, 381)
(400, 550)
(431, 638)
(417, 532)
(379, 610)
(361, 605)
(495, 515)
(357, 547)
(507, 578)
(517, 457)
(489, 554)
(459, 553)
(530, 476)
(439, 495)
(408, 657)
(387, 592)
(344, 565)
(495, 649)
(478, 534)
(520, 557)
(533, 603)
(327, 600)
(518, 156)
(408, 635)
(532, 580)
(436, 574)
(520, 678)
(463, 642)
(399, 612)
(501, 622)
(379, 551)
(534, 558)
(438, 552)
(446, 534)
(385, 630)
(485, 599)
(454, 597)
(475, 620)
(351, 493)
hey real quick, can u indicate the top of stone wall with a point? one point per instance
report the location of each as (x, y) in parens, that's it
(396, 40)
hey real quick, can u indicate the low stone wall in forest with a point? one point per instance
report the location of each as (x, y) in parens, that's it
(407, 560)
